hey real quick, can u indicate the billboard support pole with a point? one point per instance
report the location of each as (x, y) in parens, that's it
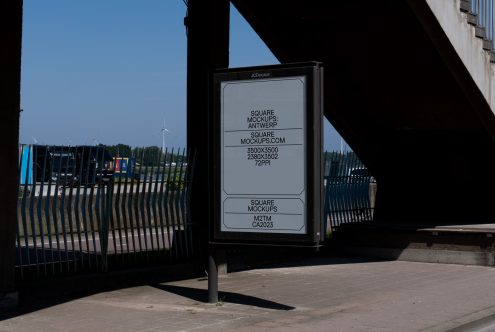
(212, 275)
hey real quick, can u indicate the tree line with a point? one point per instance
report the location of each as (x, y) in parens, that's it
(150, 155)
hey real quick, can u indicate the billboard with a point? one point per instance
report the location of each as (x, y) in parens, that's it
(268, 154)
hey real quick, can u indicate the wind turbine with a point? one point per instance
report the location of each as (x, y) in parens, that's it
(164, 131)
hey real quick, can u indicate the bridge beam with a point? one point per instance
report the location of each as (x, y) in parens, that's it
(10, 67)
(207, 49)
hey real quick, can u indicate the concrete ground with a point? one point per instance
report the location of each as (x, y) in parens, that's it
(317, 294)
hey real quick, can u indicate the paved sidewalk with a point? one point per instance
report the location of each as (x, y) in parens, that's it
(323, 294)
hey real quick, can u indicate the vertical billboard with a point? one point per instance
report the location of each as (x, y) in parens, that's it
(267, 135)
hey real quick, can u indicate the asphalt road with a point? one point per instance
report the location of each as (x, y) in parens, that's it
(54, 190)
(118, 241)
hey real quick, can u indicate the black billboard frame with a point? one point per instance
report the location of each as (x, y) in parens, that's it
(314, 235)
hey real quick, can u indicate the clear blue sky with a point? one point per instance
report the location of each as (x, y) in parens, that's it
(111, 71)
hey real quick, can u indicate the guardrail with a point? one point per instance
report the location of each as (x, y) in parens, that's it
(80, 213)
(349, 190)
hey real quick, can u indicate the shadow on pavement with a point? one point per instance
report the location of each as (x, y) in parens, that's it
(201, 295)
(45, 293)
(256, 258)
(38, 295)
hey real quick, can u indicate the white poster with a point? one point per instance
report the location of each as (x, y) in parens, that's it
(263, 169)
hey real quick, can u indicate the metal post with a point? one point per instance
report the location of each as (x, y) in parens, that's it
(212, 276)
(207, 24)
(10, 67)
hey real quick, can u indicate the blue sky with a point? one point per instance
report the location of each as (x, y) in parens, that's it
(112, 71)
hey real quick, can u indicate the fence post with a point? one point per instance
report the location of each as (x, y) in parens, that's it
(106, 208)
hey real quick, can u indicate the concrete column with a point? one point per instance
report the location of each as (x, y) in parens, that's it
(10, 69)
(208, 48)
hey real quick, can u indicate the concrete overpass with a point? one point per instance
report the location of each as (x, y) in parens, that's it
(410, 88)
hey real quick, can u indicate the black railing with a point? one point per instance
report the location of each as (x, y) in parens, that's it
(80, 209)
(349, 190)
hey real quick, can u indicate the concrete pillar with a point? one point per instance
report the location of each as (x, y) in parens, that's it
(207, 25)
(10, 69)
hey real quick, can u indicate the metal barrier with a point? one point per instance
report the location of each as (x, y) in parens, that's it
(481, 14)
(79, 209)
(349, 190)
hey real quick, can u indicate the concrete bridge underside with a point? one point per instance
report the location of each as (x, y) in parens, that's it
(399, 94)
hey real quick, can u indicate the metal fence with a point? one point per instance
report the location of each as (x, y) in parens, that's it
(481, 14)
(349, 190)
(80, 209)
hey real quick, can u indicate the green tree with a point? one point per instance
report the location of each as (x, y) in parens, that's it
(122, 150)
(147, 156)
